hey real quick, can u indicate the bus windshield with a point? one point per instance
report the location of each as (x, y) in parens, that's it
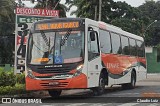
(55, 47)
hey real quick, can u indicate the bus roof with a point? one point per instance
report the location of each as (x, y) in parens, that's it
(60, 19)
(104, 25)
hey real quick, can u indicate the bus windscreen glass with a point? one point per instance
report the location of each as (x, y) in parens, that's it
(62, 47)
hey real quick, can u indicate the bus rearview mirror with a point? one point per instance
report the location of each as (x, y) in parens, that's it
(92, 35)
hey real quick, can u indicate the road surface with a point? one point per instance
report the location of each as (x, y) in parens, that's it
(146, 93)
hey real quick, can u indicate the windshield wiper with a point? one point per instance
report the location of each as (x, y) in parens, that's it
(47, 42)
(45, 38)
(62, 42)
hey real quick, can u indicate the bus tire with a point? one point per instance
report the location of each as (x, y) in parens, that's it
(101, 88)
(54, 93)
(132, 84)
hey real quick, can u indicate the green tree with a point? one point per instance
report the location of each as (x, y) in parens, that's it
(89, 9)
(52, 4)
(7, 17)
(152, 35)
(149, 9)
(6, 49)
(111, 11)
(123, 10)
(150, 12)
(7, 27)
(127, 17)
(132, 26)
(117, 13)
(85, 8)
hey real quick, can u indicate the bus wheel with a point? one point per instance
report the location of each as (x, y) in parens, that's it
(54, 93)
(133, 80)
(101, 88)
(132, 84)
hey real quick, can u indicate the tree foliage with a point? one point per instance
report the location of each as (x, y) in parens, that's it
(151, 12)
(7, 27)
(6, 49)
(128, 18)
(7, 17)
(53, 5)
(132, 19)
(133, 26)
(87, 8)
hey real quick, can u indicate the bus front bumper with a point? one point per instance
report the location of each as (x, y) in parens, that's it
(78, 82)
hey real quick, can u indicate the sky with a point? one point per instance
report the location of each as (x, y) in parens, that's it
(134, 3)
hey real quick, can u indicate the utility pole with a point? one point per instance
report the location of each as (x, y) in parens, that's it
(46, 4)
(100, 10)
(95, 14)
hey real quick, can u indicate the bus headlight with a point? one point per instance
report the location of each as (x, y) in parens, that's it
(30, 74)
(78, 70)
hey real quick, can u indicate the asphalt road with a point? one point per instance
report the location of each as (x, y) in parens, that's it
(146, 93)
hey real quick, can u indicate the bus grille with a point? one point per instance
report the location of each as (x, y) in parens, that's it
(54, 70)
(60, 85)
(43, 71)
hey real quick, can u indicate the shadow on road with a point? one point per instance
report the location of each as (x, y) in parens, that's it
(88, 97)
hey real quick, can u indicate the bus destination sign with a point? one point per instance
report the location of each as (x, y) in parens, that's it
(59, 25)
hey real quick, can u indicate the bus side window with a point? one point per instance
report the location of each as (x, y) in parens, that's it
(116, 44)
(140, 49)
(133, 48)
(125, 45)
(105, 41)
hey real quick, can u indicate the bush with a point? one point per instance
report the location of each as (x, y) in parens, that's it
(1, 69)
(11, 84)
(5, 90)
(7, 79)
(20, 78)
(9, 90)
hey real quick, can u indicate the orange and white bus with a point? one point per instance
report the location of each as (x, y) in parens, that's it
(80, 53)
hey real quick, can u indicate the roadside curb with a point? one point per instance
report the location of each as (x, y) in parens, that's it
(154, 77)
(153, 73)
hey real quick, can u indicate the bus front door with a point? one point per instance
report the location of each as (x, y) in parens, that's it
(94, 59)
